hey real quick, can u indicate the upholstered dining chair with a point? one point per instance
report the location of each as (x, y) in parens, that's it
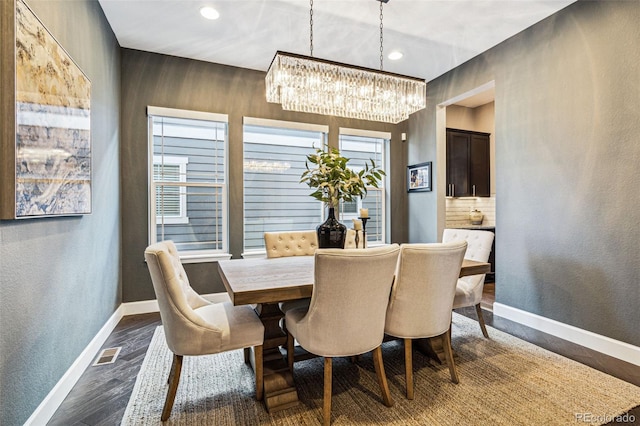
(347, 310)
(193, 325)
(469, 289)
(422, 298)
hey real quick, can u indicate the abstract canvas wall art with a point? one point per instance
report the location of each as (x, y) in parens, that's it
(53, 125)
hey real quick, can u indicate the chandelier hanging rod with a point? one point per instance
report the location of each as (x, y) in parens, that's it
(342, 64)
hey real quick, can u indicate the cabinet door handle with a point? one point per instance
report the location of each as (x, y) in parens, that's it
(453, 189)
(474, 190)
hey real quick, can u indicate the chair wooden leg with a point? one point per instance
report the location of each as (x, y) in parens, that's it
(382, 377)
(481, 321)
(408, 367)
(326, 404)
(174, 379)
(448, 353)
(247, 355)
(290, 350)
(259, 372)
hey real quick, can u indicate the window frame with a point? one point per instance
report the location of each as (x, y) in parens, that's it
(278, 124)
(189, 256)
(384, 187)
(181, 162)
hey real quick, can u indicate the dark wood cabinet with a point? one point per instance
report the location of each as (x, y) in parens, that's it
(468, 159)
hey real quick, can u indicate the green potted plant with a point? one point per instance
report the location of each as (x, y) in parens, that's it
(333, 182)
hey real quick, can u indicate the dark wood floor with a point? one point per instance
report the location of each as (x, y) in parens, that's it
(101, 395)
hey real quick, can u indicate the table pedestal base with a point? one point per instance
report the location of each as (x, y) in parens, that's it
(432, 348)
(279, 388)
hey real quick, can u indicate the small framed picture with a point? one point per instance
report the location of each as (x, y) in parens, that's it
(419, 177)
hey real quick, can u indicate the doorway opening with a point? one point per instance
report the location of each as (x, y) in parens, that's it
(472, 111)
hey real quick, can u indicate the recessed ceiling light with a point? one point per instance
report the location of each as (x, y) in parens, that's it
(395, 55)
(209, 12)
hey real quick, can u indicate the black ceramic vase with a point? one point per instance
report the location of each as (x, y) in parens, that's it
(331, 234)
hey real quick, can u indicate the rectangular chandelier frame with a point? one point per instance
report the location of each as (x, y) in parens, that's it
(307, 84)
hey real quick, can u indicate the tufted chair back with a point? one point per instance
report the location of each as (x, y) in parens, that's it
(469, 289)
(293, 243)
(350, 240)
(478, 248)
(177, 301)
(478, 242)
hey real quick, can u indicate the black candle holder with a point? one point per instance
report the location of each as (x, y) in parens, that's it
(364, 232)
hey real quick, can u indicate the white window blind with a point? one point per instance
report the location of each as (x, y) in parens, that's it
(274, 159)
(188, 194)
(171, 200)
(361, 146)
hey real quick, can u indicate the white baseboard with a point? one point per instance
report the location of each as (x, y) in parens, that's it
(137, 308)
(148, 306)
(51, 403)
(597, 342)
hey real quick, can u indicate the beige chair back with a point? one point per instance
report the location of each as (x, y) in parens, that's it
(423, 292)
(349, 300)
(177, 300)
(478, 242)
(293, 243)
(350, 240)
(478, 248)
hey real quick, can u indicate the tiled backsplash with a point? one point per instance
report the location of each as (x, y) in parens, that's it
(458, 210)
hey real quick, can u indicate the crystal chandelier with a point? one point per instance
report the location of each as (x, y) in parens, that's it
(307, 84)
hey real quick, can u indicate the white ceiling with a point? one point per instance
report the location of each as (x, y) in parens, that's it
(435, 36)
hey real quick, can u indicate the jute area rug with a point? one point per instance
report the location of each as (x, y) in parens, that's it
(503, 381)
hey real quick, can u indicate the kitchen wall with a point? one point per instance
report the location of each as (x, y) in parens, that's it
(567, 105)
(164, 81)
(60, 279)
(458, 210)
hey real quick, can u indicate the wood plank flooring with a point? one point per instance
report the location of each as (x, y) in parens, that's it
(101, 395)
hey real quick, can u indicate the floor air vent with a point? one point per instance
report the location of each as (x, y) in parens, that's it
(107, 356)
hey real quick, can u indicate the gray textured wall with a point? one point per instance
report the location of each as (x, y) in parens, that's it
(422, 206)
(159, 80)
(60, 278)
(567, 154)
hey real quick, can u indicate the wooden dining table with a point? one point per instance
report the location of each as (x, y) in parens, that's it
(266, 283)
